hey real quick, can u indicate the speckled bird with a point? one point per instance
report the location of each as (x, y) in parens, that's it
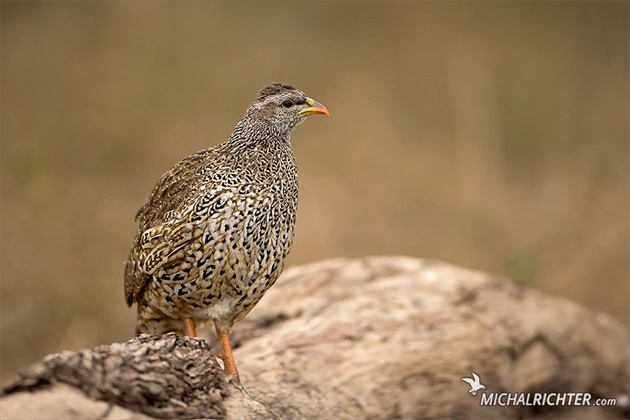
(215, 232)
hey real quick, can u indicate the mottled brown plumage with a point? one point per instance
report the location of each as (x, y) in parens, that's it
(217, 227)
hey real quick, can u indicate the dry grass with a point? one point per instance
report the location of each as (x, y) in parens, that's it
(491, 135)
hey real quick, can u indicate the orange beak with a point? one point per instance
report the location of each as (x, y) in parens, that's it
(314, 108)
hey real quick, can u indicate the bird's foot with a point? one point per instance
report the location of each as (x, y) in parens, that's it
(231, 377)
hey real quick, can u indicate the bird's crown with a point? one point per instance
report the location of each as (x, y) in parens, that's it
(275, 88)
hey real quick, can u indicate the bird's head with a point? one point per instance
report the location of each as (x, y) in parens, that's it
(283, 107)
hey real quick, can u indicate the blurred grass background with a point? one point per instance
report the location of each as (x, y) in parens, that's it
(493, 135)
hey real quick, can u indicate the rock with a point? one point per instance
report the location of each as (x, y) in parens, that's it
(61, 401)
(377, 337)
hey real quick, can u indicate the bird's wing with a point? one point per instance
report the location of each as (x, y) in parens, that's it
(159, 237)
(172, 190)
(475, 377)
(468, 381)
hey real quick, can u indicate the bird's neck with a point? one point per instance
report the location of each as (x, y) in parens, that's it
(268, 154)
(254, 132)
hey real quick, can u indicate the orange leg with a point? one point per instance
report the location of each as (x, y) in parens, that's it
(227, 356)
(190, 327)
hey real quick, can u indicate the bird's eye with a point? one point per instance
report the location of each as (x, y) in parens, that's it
(287, 104)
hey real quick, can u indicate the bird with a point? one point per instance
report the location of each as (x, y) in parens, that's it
(217, 227)
(475, 383)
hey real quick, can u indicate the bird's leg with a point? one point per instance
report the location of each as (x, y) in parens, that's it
(190, 327)
(227, 356)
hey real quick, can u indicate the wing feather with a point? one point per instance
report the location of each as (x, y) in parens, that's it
(160, 235)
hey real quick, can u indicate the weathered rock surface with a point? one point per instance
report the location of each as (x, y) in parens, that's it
(378, 337)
